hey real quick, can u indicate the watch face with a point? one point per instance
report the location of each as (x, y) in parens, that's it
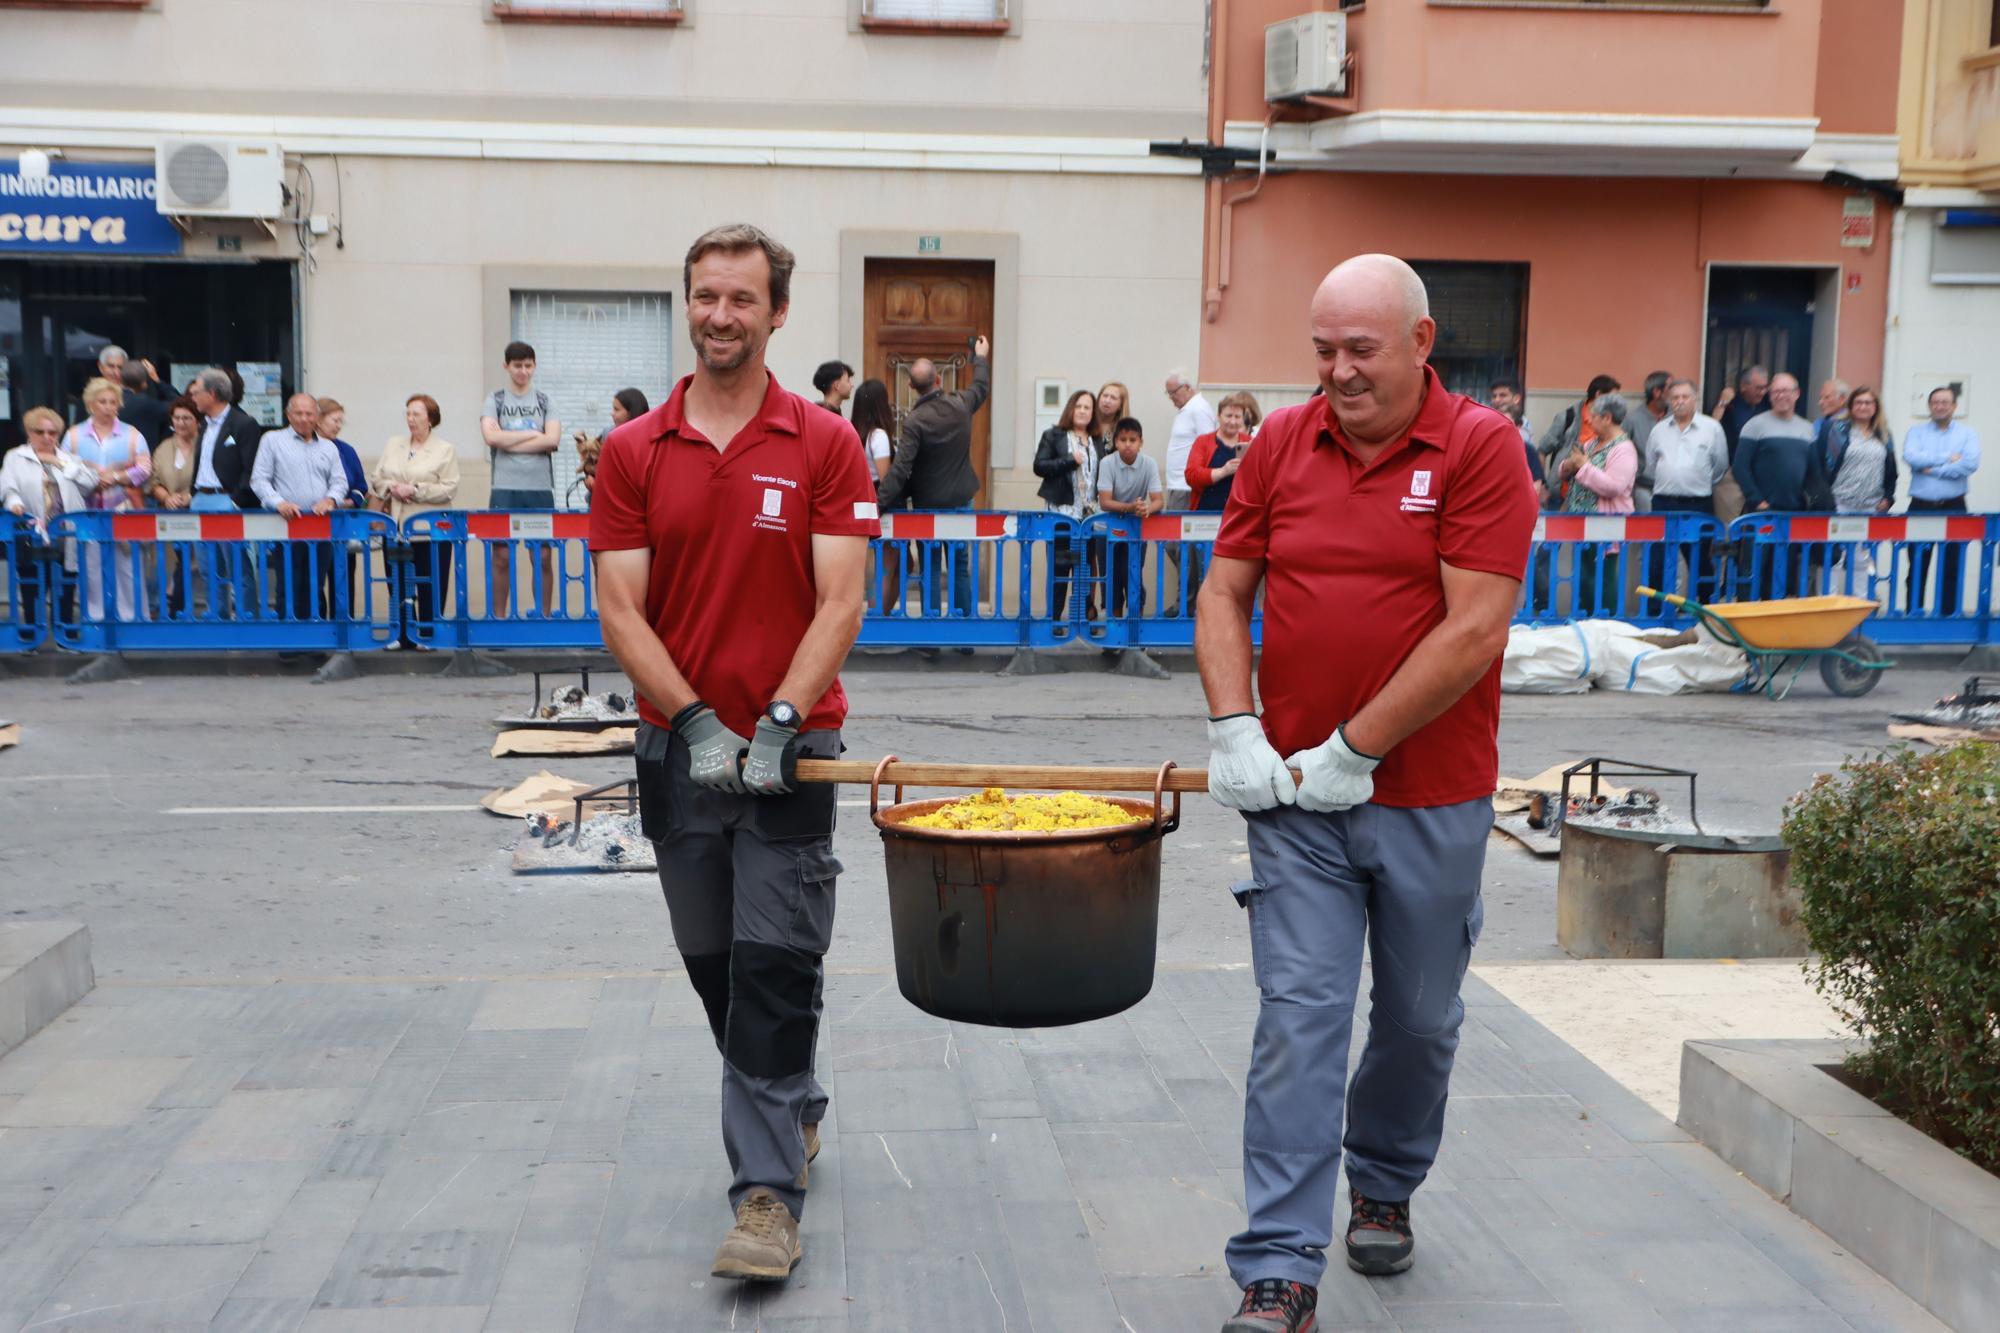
(784, 714)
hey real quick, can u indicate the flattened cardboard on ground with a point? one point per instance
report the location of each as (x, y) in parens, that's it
(616, 740)
(1940, 736)
(1510, 795)
(547, 794)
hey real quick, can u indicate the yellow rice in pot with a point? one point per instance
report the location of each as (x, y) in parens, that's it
(994, 809)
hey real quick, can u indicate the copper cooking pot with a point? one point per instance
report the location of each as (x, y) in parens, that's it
(1024, 929)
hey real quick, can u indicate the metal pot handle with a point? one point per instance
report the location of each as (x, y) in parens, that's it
(1163, 825)
(875, 787)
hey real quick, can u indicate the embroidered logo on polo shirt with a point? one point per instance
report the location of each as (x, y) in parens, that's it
(771, 517)
(1419, 500)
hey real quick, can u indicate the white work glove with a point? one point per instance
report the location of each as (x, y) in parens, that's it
(1334, 775)
(1244, 772)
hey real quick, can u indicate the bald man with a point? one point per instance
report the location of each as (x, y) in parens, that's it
(298, 472)
(933, 468)
(1389, 525)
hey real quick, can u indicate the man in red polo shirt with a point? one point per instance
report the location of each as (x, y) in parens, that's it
(1389, 525)
(730, 526)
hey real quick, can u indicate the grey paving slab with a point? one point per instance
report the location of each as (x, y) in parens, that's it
(499, 1126)
(429, 1319)
(151, 1286)
(270, 1125)
(210, 1203)
(295, 1257)
(879, 1100)
(85, 1092)
(527, 1066)
(261, 1314)
(451, 1191)
(413, 1268)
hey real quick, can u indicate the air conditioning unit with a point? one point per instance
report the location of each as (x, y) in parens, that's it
(1306, 57)
(219, 178)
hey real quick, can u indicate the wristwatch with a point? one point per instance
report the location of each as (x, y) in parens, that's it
(783, 714)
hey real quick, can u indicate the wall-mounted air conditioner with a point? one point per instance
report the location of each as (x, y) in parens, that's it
(220, 178)
(1306, 57)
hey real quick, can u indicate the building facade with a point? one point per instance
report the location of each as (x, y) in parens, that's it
(1587, 187)
(1944, 319)
(464, 172)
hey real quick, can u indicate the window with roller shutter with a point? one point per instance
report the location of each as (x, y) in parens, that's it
(588, 346)
(979, 17)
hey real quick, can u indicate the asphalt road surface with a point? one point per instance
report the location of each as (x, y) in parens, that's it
(238, 828)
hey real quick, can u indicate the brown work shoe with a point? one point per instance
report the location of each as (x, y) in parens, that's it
(812, 1151)
(764, 1243)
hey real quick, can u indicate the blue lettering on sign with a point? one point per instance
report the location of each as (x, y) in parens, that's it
(83, 208)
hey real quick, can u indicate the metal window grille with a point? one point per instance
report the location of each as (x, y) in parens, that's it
(1481, 312)
(936, 11)
(588, 346)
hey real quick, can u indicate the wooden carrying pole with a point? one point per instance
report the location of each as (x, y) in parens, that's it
(1031, 777)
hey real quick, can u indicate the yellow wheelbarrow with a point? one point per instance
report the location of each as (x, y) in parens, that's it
(1781, 636)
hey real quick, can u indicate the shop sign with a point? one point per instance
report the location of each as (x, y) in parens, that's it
(1857, 221)
(84, 208)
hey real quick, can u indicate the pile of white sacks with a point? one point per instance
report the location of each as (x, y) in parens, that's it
(1611, 655)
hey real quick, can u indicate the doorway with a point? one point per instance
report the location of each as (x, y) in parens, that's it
(1782, 318)
(915, 308)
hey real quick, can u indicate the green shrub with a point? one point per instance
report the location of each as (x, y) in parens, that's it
(1898, 859)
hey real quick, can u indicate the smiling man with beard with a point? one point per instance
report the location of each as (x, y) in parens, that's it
(1389, 524)
(730, 527)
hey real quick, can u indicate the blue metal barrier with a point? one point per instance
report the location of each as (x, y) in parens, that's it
(217, 582)
(456, 562)
(161, 581)
(29, 562)
(1152, 572)
(965, 580)
(1932, 573)
(1590, 566)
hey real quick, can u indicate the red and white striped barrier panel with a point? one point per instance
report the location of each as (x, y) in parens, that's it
(947, 527)
(1888, 528)
(1180, 527)
(501, 527)
(159, 527)
(1601, 528)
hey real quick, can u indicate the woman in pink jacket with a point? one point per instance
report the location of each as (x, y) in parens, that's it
(1601, 473)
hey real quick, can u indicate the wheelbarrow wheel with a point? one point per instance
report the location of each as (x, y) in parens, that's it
(1849, 678)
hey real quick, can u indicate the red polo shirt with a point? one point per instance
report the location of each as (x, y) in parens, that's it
(1352, 584)
(731, 591)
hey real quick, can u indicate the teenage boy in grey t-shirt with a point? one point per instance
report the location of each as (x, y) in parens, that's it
(1128, 482)
(523, 435)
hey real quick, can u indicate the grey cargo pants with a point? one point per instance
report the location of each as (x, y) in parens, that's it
(749, 886)
(1406, 881)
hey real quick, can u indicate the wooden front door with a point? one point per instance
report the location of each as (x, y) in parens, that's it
(929, 308)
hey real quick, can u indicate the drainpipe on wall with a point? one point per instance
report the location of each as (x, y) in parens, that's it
(1892, 329)
(1212, 302)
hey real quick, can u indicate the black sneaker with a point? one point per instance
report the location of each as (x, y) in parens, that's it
(1379, 1242)
(1274, 1306)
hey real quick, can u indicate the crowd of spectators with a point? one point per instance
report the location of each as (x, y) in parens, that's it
(1755, 453)
(139, 443)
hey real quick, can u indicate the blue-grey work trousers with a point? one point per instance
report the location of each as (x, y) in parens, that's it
(1407, 882)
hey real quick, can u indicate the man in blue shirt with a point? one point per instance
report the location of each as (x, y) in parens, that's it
(1942, 455)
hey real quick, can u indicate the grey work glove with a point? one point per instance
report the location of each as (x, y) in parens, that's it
(1244, 772)
(714, 751)
(764, 770)
(1333, 775)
